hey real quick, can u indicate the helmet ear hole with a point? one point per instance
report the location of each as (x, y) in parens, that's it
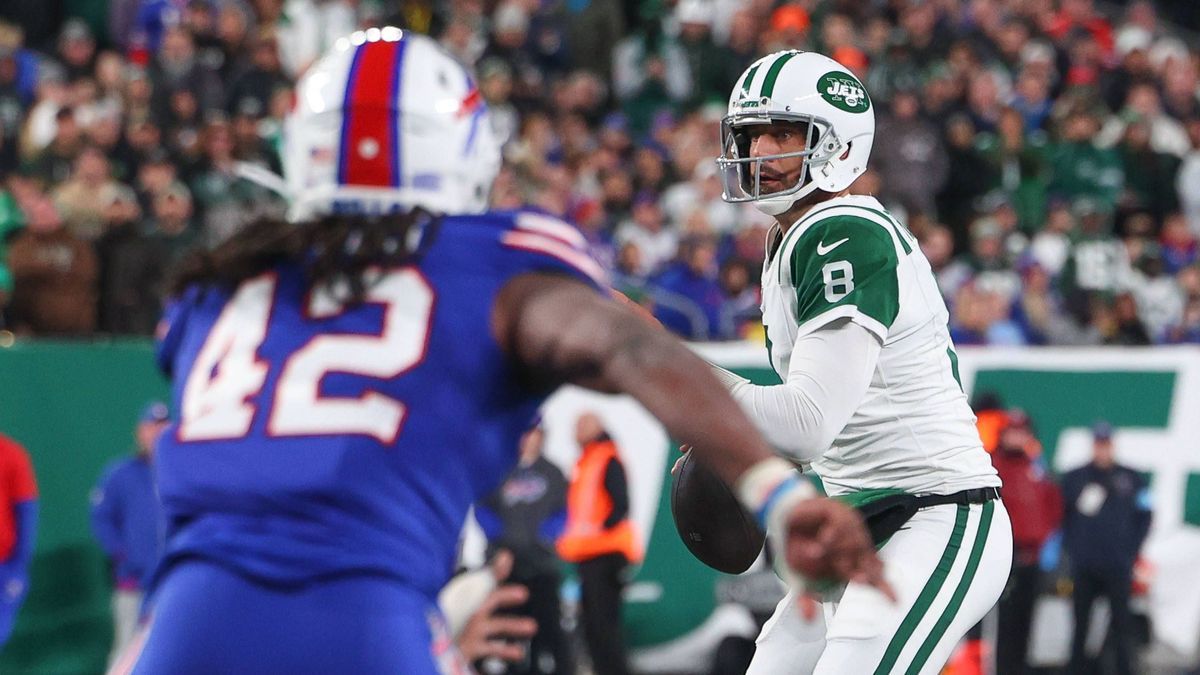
(847, 152)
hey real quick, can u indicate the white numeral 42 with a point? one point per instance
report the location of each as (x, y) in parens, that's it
(228, 373)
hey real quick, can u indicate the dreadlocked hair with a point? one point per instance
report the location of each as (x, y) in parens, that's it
(334, 251)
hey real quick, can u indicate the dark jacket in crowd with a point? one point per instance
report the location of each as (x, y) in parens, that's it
(132, 272)
(525, 516)
(1106, 517)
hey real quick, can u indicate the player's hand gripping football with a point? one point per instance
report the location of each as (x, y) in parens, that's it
(825, 541)
(818, 542)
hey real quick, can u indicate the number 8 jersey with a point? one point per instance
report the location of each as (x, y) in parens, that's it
(847, 258)
(317, 439)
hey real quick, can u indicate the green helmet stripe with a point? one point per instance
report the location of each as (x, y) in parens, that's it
(749, 78)
(768, 87)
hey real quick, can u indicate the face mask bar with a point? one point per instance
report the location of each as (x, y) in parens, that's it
(741, 174)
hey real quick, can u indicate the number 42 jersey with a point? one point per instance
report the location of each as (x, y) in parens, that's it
(316, 439)
(847, 258)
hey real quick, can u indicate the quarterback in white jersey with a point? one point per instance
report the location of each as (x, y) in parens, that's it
(871, 399)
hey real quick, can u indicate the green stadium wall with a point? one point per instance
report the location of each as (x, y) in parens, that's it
(73, 406)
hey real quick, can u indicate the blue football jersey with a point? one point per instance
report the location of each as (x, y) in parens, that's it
(317, 440)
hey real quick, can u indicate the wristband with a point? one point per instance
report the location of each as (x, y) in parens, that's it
(770, 490)
(770, 487)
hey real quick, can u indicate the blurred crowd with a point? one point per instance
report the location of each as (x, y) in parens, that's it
(1045, 152)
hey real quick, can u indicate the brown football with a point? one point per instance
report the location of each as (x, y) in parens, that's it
(711, 521)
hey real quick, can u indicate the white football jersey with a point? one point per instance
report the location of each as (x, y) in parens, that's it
(913, 430)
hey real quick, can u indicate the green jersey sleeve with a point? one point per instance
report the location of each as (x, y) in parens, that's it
(845, 267)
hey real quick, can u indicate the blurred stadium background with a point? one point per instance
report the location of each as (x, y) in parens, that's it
(1045, 152)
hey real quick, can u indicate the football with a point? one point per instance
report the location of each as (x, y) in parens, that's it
(711, 521)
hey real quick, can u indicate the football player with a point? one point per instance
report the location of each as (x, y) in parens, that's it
(871, 399)
(351, 380)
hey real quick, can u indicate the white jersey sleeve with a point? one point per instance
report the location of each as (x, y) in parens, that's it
(823, 388)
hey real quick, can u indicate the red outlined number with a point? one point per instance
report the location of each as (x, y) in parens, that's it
(227, 370)
(299, 409)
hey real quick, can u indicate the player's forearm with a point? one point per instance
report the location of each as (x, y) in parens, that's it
(824, 387)
(677, 388)
(563, 332)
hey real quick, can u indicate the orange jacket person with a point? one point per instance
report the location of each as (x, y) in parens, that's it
(601, 540)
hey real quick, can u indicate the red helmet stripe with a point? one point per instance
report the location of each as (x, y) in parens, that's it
(370, 147)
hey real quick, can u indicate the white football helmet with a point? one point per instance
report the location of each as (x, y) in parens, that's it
(795, 86)
(384, 122)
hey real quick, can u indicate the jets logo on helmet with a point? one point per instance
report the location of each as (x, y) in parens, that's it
(814, 92)
(388, 121)
(843, 92)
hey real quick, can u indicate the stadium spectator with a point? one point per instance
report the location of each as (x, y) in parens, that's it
(76, 49)
(1037, 308)
(1129, 329)
(495, 84)
(18, 529)
(1080, 168)
(592, 27)
(1106, 519)
(1097, 263)
(1149, 174)
(1189, 176)
(986, 267)
(688, 293)
(1179, 244)
(173, 231)
(175, 66)
(54, 275)
(968, 179)
(82, 199)
(510, 44)
(1035, 506)
(1143, 105)
(52, 161)
(601, 541)
(913, 163)
(525, 517)
(1074, 15)
(1158, 295)
(1017, 168)
(646, 228)
(1187, 330)
(132, 269)
(127, 523)
(711, 66)
(262, 79)
(740, 302)
(1052, 243)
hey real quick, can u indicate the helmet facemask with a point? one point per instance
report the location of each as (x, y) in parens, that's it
(741, 174)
